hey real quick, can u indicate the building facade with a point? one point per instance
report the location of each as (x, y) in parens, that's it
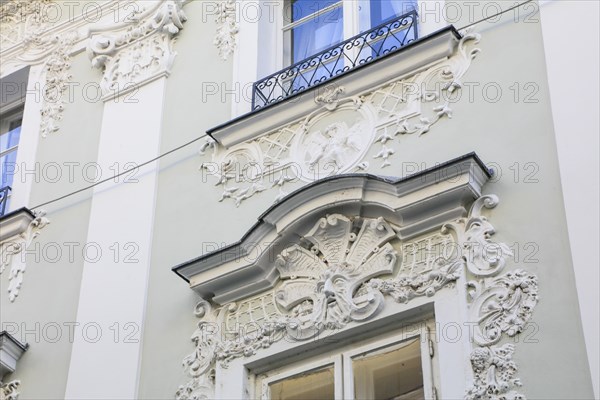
(298, 199)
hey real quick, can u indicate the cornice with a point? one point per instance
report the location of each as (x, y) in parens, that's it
(14, 223)
(416, 204)
(11, 351)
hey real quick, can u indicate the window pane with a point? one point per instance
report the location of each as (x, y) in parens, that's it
(303, 8)
(391, 373)
(7, 168)
(373, 13)
(317, 34)
(11, 138)
(314, 385)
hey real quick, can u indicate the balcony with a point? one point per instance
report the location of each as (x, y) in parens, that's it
(359, 50)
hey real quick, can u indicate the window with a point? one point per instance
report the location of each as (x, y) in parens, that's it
(10, 132)
(311, 26)
(324, 38)
(397, 367)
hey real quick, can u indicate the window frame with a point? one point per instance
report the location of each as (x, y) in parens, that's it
(341, 357)
(10, 115)
(288, 372)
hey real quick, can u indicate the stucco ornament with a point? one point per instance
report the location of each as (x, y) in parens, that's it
(499, 305)
(14, 247)
(199, 365)
(10, 390)
(338, 273)
(483, 257)
(329, 274)
(494, 374)
(140, 53)
(25, 39)
(21, 20)
(29, 35)
(502, 305)
(227, 28)
(343, 133)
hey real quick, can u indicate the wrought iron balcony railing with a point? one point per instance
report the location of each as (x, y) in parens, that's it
(335, 60)
(4, 192)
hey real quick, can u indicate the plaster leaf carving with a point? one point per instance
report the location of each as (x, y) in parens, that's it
(502, 305)
(336, 137)
(494, 374)
(10, 390)
(139, 54)
(11, 248)
(58, 77)
(404, 288)
(482, 256)
(227, 29)
(385, 154)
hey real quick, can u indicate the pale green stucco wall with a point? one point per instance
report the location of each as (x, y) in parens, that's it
(50, 292)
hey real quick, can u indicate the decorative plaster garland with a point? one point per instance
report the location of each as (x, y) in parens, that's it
(331, 278)
(227, 29)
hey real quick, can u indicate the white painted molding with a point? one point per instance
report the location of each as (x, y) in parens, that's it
(339, 128)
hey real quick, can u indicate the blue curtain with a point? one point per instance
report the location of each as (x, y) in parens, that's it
(8, 140)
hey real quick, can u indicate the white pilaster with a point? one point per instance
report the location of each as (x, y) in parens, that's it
(136, 61)
(107, 348)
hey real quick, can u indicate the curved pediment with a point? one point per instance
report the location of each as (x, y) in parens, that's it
(410, 206)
